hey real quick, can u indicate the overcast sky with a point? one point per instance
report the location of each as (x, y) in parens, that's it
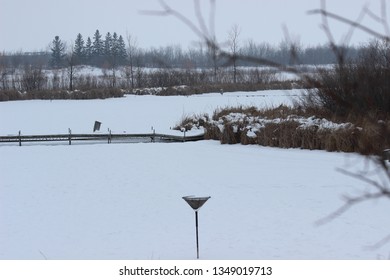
(30, 25)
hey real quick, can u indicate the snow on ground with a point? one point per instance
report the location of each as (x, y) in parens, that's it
(133, 114)
(124, 201)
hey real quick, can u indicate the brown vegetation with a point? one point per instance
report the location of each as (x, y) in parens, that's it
(9, 95)
(287, 127)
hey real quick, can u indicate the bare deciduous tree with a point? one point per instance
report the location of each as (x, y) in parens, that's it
(234, 48)
(32, 78)
(71, 60)
(132, 49)
(214, 54)
(3, 72)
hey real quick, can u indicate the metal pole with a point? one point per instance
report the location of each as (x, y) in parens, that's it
(197, 235)
(196, 203)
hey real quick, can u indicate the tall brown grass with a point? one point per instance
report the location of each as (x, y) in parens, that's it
(364, 137)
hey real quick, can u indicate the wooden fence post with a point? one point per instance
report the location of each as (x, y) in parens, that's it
(154, 135)
(70, 136)
(20, 138)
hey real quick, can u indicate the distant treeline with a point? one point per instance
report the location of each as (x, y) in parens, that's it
(114, 51)
(126, 66)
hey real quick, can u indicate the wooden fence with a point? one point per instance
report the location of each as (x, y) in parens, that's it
(108, 137)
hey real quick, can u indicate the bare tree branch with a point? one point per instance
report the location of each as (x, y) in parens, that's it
(168, 11)
(349, 202)
(380, 188)
(380, 243)
(200, 18)
(294, 46)
(212, 18)
(352, 28)
(335, 214)
(382, 191)
(382, 19)
(385, 21)
(209, 39)
(349, 22)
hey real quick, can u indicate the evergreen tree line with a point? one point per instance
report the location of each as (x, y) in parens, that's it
(110, 52)
(113, 52)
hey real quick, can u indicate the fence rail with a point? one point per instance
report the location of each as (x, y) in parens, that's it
(109, 138)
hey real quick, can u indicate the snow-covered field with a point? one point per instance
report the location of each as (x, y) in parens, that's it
(133, 114)
(124, 201)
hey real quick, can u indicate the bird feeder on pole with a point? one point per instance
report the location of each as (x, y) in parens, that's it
(196, 203)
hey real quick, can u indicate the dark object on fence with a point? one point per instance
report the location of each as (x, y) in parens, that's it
(96, 126)
(196, 203)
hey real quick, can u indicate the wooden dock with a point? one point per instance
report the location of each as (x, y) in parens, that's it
(97, 137)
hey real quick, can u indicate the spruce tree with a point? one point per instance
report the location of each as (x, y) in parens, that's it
(57, 52)
(79, 50)
(114, 49)
(97, 48)
(122, 53)
(108, 45)
(88, 51)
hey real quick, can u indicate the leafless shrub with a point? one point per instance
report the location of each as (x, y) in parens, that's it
(357, 88)
(33, 78)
